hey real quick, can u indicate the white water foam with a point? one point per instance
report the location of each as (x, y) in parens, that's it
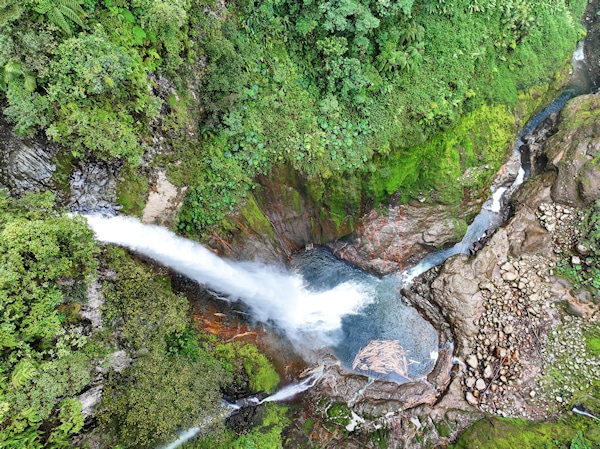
(578, 54)
(272, 294)
(497, 199)
(183, 437)
(292, 390)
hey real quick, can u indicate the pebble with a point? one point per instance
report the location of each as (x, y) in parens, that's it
(472, 361)
(488, 372)
(471, 399)
(480, 384)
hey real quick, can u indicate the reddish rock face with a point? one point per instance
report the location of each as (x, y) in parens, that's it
(392, 241)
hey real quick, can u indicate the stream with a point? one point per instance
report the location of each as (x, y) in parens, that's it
(323, 302)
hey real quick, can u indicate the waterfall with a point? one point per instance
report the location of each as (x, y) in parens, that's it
(490, 216)
(273, 295)
(183, 437)
(584, 413)
(292, 390)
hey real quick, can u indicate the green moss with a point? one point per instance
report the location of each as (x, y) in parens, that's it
(308, 425)
(267, 435)
(339, 413)
(241, 357)
(340, 200)
(132, 193)
(443, 429)
(509, 433)
(295, 197)
(455, 162)
(256, 218)
(534, 99)
(379, 438)
(593, 344)
(64, 162)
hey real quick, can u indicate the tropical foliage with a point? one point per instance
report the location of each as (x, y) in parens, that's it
(175, 380)
(44, 360)
(326, 87)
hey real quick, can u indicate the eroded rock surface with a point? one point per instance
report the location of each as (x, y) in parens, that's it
(93, 187)
(503, 302)
(388, 242)
(164, 201)
(25, 163)
(573, 153)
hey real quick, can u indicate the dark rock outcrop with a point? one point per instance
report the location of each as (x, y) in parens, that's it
(93, 187)
(25, 163)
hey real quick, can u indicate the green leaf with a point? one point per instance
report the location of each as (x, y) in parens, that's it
(127, 15)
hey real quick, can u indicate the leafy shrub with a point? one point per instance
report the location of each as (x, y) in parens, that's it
(44, 362)
(175, 381)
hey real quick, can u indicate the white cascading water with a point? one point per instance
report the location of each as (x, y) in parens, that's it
(184, 436)
(490, 215)
(273, 295)
(292, 390)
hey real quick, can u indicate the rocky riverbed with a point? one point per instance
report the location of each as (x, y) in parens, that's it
(505, 373)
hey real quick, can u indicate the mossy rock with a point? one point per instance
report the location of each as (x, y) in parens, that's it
(132, 193)
(339, 413)
(510, 433)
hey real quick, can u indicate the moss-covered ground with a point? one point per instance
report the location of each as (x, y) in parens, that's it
(511, 433)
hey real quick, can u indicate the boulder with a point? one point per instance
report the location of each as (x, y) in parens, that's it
(456, 290)
(388, 242)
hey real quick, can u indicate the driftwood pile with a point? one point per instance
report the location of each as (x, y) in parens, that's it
(384, 357)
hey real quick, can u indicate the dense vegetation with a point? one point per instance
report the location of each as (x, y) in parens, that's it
(45, 259)
(327, 87)
(417, 96)
(49, 353)
(506, 433)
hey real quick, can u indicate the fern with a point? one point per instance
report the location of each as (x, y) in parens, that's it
(72, 10)
(58, 11)
(58, 19)
(23, 372)
(28, 439)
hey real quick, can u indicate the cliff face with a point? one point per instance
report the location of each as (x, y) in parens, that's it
(25, 164)
(573, 153)
(286, 212)
(504, 301)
